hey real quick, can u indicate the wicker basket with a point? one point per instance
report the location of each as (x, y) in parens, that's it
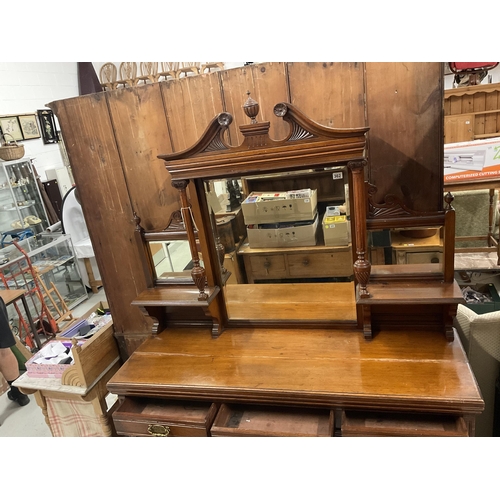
(11, 151)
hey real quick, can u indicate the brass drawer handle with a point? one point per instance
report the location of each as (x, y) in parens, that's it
(159, 430)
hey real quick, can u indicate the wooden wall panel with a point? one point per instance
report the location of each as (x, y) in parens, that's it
(140, 124)
(92, 150)
(330, 93)
(267, 84)
(191, 104)
(405, 116)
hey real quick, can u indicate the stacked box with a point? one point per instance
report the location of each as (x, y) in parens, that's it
(335, 230)
(293, 206)
(285, 219)
(283, 234)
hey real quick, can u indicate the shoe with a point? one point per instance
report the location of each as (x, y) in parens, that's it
(21, 400)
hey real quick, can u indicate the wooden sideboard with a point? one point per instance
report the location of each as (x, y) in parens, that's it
(301, 382)
(266, 375)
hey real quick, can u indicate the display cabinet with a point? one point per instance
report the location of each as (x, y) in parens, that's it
(53, 258)
(21, 205)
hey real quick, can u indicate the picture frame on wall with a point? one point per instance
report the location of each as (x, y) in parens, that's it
(10, 125)
(29, 126)
(48, 126)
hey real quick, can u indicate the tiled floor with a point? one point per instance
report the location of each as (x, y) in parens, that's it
(28, 421)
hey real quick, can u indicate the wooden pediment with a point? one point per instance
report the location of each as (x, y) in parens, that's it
(307, 143)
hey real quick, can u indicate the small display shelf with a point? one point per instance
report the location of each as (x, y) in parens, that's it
(21, 205)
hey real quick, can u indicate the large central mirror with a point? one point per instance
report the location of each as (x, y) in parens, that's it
(287, 245)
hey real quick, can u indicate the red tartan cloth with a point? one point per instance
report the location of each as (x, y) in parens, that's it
(73, 419)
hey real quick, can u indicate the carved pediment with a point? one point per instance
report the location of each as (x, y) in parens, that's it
(307, 142)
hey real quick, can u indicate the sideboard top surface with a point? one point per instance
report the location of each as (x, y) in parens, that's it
(404, 370)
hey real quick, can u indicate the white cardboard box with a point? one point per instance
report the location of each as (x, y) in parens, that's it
(472, 160)
(336, 230)
(285, 235)
(261, 208)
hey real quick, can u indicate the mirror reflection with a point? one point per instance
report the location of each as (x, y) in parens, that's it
(171, 259)
(287, 241)
(406, 246)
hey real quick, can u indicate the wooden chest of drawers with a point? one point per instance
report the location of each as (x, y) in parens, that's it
(163, 418)
(303, 262)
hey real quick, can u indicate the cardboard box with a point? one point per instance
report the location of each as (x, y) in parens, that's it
(41, 370)
(263, 208)
(336, 230)
(474, 160)
(297, 234)
(63, 335)
(484, 307)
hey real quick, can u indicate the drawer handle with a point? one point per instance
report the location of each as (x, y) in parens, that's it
(267, 265)
(159, 430)
(305, 262)
(435, 260)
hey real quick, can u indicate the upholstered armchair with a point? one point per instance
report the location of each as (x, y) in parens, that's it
(480, 335)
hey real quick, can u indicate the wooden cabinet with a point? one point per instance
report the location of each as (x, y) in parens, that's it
(318, 261)
(295, 373)
(299, 263)
(471, 113)
(408, 250)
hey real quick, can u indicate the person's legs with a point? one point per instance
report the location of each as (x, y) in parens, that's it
(9, 366)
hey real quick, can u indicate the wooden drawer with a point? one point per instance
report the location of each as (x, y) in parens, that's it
(399, 424)
(424, 257)
(320, 264)
(268, 266)
(163, 418)
(264, 421)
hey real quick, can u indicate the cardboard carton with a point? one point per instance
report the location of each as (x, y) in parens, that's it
(263, 208)
(278, 235)
(335, 230)
(474, 160)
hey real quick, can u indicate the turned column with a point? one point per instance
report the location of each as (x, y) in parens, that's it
(197, 273)
(362, 267)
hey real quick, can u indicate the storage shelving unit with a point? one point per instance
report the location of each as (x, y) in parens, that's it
(21, 205)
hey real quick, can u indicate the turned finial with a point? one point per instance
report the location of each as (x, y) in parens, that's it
(251, 108)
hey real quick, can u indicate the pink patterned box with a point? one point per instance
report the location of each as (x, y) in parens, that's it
(43, 370)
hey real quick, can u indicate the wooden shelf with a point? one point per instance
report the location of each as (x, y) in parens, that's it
(411, 292)
(178, 296)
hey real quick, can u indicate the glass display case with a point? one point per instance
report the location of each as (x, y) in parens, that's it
(22, 212)
(52, 257)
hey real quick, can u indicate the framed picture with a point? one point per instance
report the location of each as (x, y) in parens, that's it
(10, 125)
(48, 126)
(29, 126)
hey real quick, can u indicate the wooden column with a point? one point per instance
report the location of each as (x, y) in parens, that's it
(362, 267)
(198, 273)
